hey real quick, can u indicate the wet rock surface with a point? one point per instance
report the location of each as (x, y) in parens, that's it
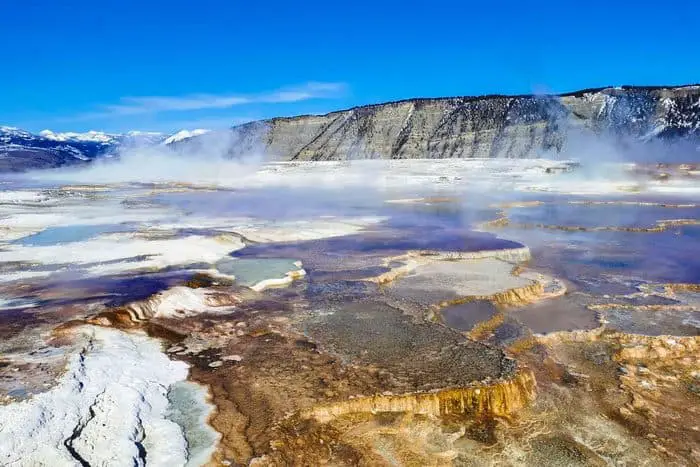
(372, 333)
(467, 315)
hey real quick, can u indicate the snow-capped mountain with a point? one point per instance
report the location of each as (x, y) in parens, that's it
(183, 135)
(106, 138)
(92, 136)
(21, 150)
(9, 132)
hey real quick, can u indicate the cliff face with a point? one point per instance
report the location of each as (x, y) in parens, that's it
(487, 126)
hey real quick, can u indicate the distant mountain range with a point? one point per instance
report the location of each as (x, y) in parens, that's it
(101, 137)
(21, 150)
(665, 120)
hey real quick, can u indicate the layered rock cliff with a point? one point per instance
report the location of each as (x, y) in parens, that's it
(486, 126)
(663, 122)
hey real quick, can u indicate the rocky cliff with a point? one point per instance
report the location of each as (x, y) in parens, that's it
(663, 122)
(486, 126)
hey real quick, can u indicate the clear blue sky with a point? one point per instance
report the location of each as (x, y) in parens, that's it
(119, 65)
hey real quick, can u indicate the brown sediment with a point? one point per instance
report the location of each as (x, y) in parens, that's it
(650, 385)
(119, 318)
(661, 226)
(679, 287)
(492, 399)
(517, 204)
(394, 273)
(177, 187)
(522, 345)
(440, 199)
(484, 329)
(145, 310)
(637, 348)
(566, 426)
(512, 297)
(143, 314)
(427, 200)
(85, 188)
(662, 380)
(200, 280)
(678, 222)
(281, 375)
(501, 221)
(623, 306)
(635, 203)
(506, 254)
(516, 296)
(64, 331)
(287, 400)
(530, 204)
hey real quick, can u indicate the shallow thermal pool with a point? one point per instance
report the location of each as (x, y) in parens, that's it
(69, 234)
(250, 271)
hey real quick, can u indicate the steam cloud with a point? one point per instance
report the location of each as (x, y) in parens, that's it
(207, 159)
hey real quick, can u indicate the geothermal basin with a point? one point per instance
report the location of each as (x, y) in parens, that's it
(405, 312)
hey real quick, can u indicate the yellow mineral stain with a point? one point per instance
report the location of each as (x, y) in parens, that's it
(497, 399)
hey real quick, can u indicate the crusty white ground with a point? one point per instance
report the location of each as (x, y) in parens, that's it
(109, 408)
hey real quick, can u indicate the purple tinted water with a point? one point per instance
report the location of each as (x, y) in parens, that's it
(467, 315)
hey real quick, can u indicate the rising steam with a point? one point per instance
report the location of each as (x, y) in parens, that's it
(215, 158)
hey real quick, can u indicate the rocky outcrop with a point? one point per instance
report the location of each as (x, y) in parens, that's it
(485, 126)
